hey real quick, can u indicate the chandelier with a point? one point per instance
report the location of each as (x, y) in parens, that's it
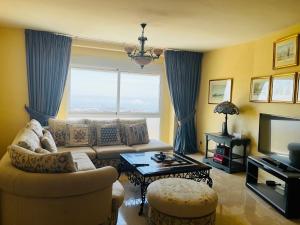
(142, 56)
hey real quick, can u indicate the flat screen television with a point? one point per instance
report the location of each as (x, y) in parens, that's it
(275, 133)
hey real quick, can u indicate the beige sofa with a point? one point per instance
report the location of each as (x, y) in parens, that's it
(110, 155)
(91, 196)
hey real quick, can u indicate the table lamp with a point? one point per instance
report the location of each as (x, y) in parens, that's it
(226, 108)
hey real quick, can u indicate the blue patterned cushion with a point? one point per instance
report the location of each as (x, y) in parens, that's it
(136, 134)
(108, 135)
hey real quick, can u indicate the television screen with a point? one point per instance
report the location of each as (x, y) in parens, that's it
(276, 132)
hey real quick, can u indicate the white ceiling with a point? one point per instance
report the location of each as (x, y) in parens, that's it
(181, 24)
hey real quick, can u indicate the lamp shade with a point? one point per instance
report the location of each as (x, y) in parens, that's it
(227, 108)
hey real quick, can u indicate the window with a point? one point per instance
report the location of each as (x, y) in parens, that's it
(139, 93)
(93, 91)
(111, 94)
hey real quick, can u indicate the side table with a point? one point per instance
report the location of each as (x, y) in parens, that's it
(235, 162)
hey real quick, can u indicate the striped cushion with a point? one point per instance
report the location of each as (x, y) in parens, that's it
(136, 134)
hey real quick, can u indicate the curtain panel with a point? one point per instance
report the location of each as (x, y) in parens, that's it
(48, 58)
(183, 74)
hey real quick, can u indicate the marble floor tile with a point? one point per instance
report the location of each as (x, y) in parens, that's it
(237, 204)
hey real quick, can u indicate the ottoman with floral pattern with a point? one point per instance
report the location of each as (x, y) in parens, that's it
(177, 201)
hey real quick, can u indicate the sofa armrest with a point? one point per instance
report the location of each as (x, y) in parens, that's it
(118, 194)
(44, 185)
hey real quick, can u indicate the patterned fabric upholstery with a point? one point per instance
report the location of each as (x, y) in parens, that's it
(36, 127)
(182, 197)
(77, 135)
(93, 124)
(41, 163)
(108, 135)
(42, 151)
(123, 123)
(58, 129)
(156, 217)
(136, 134)
(29, 140)
(48, 142)
(106, 162)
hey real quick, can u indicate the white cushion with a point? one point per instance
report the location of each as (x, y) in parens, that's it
(88, 150)
(182, 197)
(36, 127)
(48, 142)
(153, 145)
(28, 139)
(112, 152)
(82, 161)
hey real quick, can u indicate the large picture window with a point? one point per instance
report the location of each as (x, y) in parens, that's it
(111, 94)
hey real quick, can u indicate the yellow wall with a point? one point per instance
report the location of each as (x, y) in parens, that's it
(13, 85)
(241, 62)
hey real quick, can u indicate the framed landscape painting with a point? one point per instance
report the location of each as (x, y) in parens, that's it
(286, 52)
(219, 91)
(260, 89)
(283, 88)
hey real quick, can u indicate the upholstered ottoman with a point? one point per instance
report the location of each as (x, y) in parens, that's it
(181, 202)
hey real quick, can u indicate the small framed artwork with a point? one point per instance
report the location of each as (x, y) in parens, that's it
(286, 52)
(283, 88)
(260, 89)
(219, 91)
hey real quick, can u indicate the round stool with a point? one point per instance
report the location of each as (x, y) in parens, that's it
(181, 201)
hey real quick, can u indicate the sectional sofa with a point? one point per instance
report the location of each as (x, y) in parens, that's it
(88, 193)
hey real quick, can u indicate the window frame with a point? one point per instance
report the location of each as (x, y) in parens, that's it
(116, 114)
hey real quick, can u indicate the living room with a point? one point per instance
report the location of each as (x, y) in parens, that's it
(200, 54)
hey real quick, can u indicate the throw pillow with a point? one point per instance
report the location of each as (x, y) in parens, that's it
(93, 124)
(136, 134)
(58, 129)
(42, 151)
(36, 127)
(48, 142)
(124, 123)
(108, 135)
(28, 139)
(77, 135)
(41, 163)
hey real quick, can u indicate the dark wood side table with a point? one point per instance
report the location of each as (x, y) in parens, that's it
(235, 162)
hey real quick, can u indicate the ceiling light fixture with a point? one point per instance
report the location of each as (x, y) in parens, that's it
(141, 56)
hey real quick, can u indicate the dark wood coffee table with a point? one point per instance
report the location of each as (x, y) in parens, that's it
(142, 170)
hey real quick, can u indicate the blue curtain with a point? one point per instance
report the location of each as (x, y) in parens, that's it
(48, 58)
(183, 73)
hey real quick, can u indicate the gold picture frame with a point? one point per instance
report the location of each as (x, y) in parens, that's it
(298, 88)
(220, 90)
(260, 89)
(286, 52)
(283, 88)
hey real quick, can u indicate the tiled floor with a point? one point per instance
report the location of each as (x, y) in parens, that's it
(237, 204)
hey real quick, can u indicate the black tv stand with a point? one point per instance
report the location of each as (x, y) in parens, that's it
(286, 201)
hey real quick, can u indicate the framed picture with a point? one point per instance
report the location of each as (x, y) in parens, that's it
(286, 52)
(260, 89)
(298, 88)
(219, 91)
(283, 88)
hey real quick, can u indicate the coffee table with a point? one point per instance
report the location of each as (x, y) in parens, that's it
(142, 170)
